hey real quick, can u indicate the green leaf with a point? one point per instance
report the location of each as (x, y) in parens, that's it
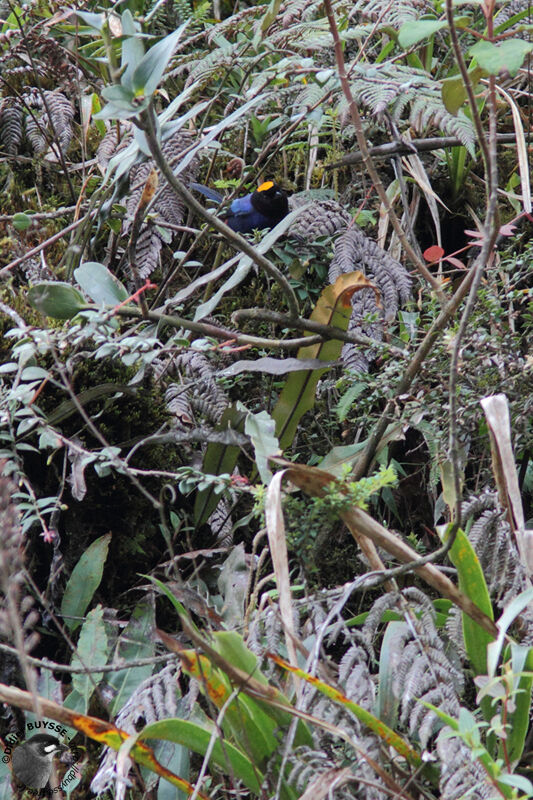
(518, 720)
(224, 754)
(132, 48)
(510, 613)
(95, 21)
(345, 403)
(119, 96)
(21, 222)
(298, 395)
(84, 581)
(518, 781)
(454, 92)
(55, 299)
(472, 583)
(219, 459)
(387, 704)
(100, 284)
(136, 642)
(261, 430)
(507, 56)
(267, 20)
(413, 32)
(91, 653)
(148, 74)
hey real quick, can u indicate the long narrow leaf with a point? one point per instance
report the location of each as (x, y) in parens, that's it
(298, 395)
(386, 734)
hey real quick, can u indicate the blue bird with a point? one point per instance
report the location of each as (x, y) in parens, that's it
(263, 208)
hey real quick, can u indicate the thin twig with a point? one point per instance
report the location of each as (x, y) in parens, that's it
(420, 145)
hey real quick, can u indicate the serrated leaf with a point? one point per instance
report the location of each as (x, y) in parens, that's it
(100, 284)
(84, 581)
(55, 299)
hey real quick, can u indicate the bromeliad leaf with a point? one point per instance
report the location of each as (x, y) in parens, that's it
(298, 395)
(148, 74)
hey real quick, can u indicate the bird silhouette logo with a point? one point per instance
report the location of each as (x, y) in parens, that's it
(32, 760)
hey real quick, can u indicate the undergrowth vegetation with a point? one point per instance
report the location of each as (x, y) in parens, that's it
(266, 499)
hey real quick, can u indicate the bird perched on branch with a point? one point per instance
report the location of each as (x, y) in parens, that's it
(263, 208)
(32, 761)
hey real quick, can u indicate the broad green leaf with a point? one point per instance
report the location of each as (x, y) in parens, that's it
(55, 299)
(453, 89)
(224, 754)
(250, 728)
(472, 583)
(100, 284)
(132, 48)
(91, 652)
(518, 782)
(118, 95)
(413, 32)
(298, 395)
(135, 642)
(507, 56)
(84, 581)
(149, 72)
(21, 222)
(219, 459)
(260, 428)
(387, 703)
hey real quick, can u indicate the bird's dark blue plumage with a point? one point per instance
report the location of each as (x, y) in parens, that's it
(263, 208)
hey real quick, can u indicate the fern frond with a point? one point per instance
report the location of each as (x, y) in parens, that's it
(393, 14)
(10, 125)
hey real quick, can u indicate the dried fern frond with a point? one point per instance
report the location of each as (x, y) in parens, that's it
(394, 87)
(110, 145)
(198, 391)
(321, 218)
(156, 698)
(10, 125)
(50, 124)
(419, 662)
(17, 616)
(167, 206)
(393, 14)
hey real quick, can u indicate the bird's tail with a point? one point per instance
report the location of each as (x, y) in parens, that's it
(211, 194)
